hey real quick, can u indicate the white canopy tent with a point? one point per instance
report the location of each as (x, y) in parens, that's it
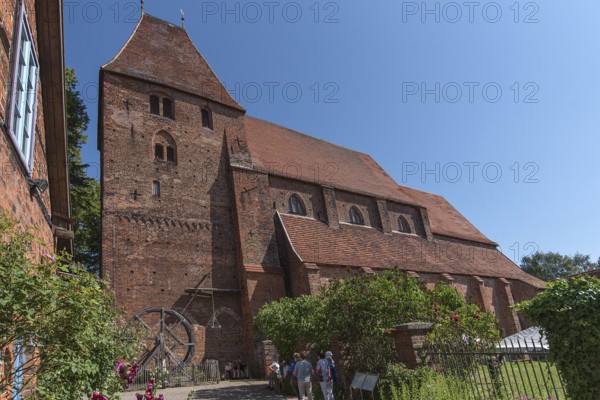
(530, 339)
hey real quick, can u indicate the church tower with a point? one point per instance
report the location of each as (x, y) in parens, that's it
(168, 228)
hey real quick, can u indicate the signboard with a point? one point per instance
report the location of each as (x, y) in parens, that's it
(370, 382)
(358, 380)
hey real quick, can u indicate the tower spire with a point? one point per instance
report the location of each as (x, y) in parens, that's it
(182, 17)
(142, 7)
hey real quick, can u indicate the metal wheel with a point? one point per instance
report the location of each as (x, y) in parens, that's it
(169, 338)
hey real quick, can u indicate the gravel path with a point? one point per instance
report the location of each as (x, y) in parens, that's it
(233, 390)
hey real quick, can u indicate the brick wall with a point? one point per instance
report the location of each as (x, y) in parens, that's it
(15, 198)
(156, 247)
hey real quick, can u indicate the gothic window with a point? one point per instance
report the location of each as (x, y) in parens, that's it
(154, 105)
(403, 225)
(156, 188)
(168, 108)
(21, 123)
(165, 148)
(295, 205)
(206, 119)
(356, 216)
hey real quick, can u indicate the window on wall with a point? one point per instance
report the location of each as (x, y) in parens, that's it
(165, 148)
(170, 154)
(206, 119)
(159, 153)
(295, 205)
(356, 216)
(154, 105)
(403, 225)
(22, 113)
(168, 111)
(156, 188)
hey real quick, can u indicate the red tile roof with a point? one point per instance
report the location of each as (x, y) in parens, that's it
(359, 246)
(169, 45)
(282, 151)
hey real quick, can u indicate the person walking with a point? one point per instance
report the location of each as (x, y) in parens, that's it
(294, 378)
(303, 371)
(325, 379)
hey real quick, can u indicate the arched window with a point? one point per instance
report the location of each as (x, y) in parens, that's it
(168, 110)
(295, 205)
(356, 216)
(206, 119)
(154, 105)
(403, 225)
(165, 148)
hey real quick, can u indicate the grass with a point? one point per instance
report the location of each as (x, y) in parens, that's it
(512, 380)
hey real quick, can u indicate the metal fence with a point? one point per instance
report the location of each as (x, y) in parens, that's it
(510, 370)
(191, 375)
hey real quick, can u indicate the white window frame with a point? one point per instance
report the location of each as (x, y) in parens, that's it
(24, 90)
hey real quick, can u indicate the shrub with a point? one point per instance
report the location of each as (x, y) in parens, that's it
(567, 311)
(65, 313)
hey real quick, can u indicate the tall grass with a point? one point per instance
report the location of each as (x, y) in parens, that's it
(435, 386)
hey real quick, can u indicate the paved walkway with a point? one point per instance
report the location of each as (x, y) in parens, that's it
(233, 390)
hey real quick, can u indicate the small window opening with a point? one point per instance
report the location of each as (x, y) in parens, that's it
(206, 123)
(168, 109)
(159, 152)
(156, 188)
(356, 217)
(295, 205)
(154, 105)
(170, 154)
(403, 225)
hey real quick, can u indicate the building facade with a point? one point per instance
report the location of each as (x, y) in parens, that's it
(213, 213)
(34, 184)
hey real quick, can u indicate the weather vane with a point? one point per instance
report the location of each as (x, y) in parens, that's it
(142, 6)
(182, 18)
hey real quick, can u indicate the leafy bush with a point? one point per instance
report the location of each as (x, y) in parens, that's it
(357, 312)
(568, 313)
(65, 313)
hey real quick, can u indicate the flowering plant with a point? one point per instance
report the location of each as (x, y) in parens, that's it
(98, 396)
(150, 392)
(127, 372)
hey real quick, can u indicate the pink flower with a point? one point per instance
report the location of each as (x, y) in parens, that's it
(49, 257)
(161, 397)
(139, 396)
(98, 396)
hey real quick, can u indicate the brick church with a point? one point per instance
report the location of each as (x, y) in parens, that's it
(212, 213)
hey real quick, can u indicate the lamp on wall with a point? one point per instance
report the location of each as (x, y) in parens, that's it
(40, 184)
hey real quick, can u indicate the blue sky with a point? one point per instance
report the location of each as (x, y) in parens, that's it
(493, 105)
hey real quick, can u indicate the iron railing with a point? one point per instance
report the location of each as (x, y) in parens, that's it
(191, 375)
(507, 371)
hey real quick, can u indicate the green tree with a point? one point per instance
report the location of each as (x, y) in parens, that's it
(64, 317)
(551, 265)
(288, 322)
(567, 311)
(85, 191)
(357, 312)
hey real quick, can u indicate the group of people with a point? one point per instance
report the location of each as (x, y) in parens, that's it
(235, 370)
(300, 373)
